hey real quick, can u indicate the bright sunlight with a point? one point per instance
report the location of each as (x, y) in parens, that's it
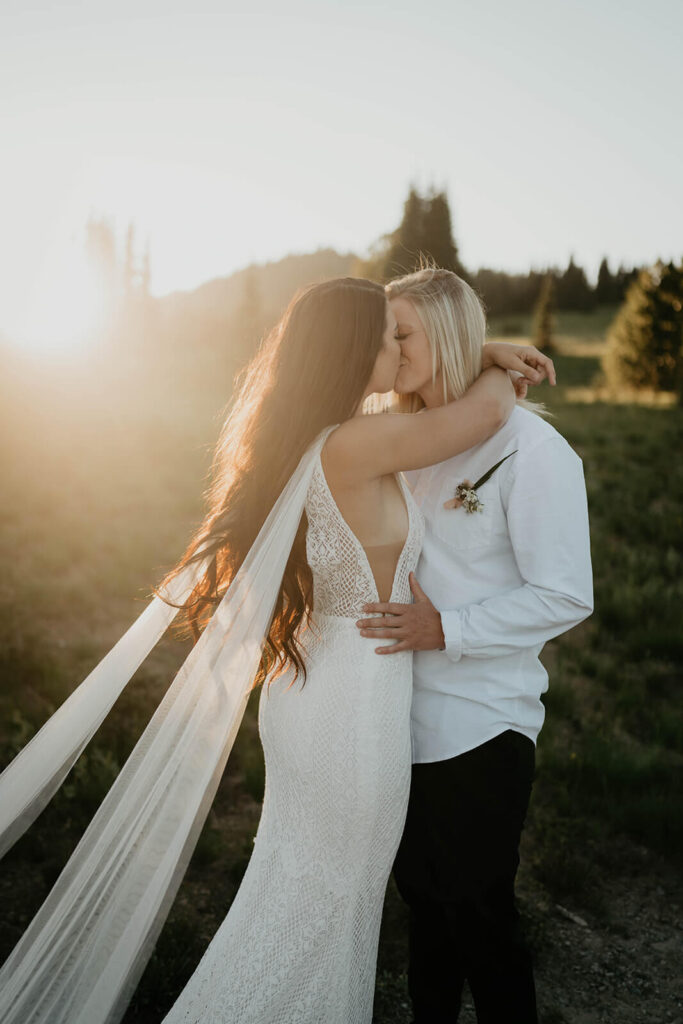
(66, 304)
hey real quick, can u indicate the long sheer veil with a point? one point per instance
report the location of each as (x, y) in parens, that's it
(82, 955)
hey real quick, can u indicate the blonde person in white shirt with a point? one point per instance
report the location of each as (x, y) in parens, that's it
(500, 574)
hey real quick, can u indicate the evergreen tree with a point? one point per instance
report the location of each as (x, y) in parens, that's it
(508, 293)
(645, 342)
(605, 290)
(573, 291)
(543, 320)
(622, 280)
(425, 232)
(404, 251)
(437, 234)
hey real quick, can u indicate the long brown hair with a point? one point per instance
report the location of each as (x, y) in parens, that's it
(310, 372)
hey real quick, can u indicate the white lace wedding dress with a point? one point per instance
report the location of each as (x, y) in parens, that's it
(299, 944)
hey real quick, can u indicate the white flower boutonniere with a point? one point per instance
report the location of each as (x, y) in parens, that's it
(466, 492)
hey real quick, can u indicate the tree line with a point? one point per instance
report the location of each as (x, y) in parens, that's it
(645, 340)
(425, 231)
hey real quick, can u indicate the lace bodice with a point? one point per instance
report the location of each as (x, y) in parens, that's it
(342, 578)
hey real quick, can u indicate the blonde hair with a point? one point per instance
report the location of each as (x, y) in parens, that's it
(454, 321)
(455, 324)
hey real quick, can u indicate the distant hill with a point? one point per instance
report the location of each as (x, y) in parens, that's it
(187, 340)
(200, 338)
(270, 285)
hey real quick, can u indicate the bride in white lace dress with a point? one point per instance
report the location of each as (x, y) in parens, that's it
(299, 943)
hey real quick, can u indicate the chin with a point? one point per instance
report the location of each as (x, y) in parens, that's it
(403, 386)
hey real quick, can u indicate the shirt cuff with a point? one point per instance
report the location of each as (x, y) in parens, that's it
(451, 625)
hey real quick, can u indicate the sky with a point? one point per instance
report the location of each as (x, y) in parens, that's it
(231, 134)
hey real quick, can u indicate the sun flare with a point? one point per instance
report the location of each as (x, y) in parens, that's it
(65, 305)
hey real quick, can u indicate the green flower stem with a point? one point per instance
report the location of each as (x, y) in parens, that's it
(485, 477)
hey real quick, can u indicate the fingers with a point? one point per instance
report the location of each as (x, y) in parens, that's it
(384, 623)
(416, 588)
(380, 634)
(548, 368)
(393, 648)
(531, 371)
(538, 365)
(523, 368)
(376, 609)
(386, 608)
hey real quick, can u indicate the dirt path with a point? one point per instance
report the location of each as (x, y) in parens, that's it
(623, 966)
(615, 959)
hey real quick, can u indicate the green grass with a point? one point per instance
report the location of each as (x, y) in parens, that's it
(568, 325)
(611, 753)
(102, 487)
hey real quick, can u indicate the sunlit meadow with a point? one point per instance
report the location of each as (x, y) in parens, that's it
(158, 169)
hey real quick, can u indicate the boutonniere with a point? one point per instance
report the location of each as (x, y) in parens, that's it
(466, 493)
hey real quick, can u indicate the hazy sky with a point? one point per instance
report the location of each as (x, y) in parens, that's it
(237, 133)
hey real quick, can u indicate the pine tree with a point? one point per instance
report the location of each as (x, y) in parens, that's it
(622, 280)
(645, 342)
(425, 231)
(605, 289)
(543, 320)
(437, 234)
(573, 291)
(404, 251)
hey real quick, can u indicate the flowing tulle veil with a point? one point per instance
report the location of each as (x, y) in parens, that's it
(82, 955)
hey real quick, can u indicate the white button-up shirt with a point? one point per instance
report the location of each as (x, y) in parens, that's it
(506, 579)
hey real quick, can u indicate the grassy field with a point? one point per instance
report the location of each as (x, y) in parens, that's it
(571, 328)
(102, 484)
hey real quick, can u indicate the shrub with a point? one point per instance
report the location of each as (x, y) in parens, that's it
(543, 322)
(645, 342)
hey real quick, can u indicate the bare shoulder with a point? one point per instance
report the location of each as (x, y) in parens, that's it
(343, 452)
(372, 446)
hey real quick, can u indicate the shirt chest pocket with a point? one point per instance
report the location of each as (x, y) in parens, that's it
(465, 530)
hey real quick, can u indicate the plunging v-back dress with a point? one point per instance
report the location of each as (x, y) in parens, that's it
(299, 943)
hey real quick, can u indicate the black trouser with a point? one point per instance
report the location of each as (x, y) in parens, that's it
(455, 868)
